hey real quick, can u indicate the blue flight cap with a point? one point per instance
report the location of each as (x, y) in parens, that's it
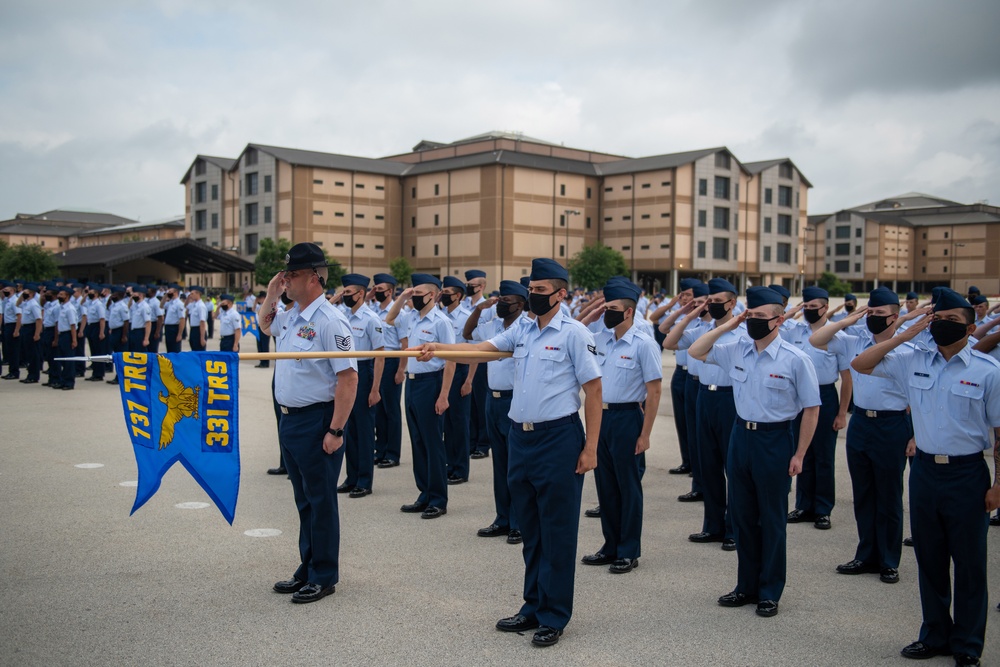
(31, 286)
(544, 268)
(354, 279)
(784, 293)
(760, 296)
(882, 296)
(688, 283)
(226, 297)
(424, 279)
(524, 281)
(385, 278)
(513, 288)
(850, 297)
(978, 299)
(474, 273)
(701, 289)
(973, 290)
(452, 281)
(65, 288)
(936, 293)
(194, 288)
(949, 299)
(811, 292)
(621, 289)
(497, 292)
(912, 295)
(716, 285)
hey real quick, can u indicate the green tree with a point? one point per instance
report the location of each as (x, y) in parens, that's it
(832, 284)
(31, 262)
(4, 247)
(591, 267)
(270, 260)
(401, 270)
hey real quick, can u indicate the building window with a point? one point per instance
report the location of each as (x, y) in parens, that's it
(251, 188)
(413, 222)
(626, 217)
(359, 216)
(945, 252)
(215, 221)
(767, 253)
(359, 245)
(562, 251)
(380, 217)
(842, 249)
(702, 218)
(380, 187)
(923, 253)
(843, 232)
(626, 187)
(784, 196)
(767, 195)
(251, 244)
(436, 220)
(721, 187)
(785, 170)
(828, 251)
(664, 246)
(413, 193)
(215, 193)
(720, 248)
(267, 214)
(199, 221)
(267, 183)
(701, 250)
(608, 189)
(784, 253)
(199, 192)
(437, 191)
(644, 247)
(251, 215)
(588, 222)
(644, 216)
(319, 213)
(317, 181)
(857, 267)
(562, 189)
(251, 157)
(435, 249)
(645, 186)
(379, 246)
(608, 218)
(588, 193)
(722, 160)
(338, 245)
(338, 214)
(944, 269)
(562, 220)
(720, 218)
(785, 224)
(339, 184)
(857, 250)
(665, 215)
(413, 251)
(199, 168)
(665, 184)
(359, 186)
(703, 187)
(767, 225)
(626, 247)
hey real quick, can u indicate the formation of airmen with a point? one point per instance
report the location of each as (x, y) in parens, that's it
(760, 390)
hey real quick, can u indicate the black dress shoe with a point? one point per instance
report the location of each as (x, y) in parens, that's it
(11, 376)
(66, 387)
(290, 586)
(682, 469)
(280, 470)
(963, 659)
(112, 381)
(48, 384)
(704, 538)
(433, 512)
(546, 637)
(600, 558)
(889, 575)
(691, 497)
(493, 530)
(798, 516)
(907, 541)
(995, 520)
(594, 513)
(388, 463)
(453, 479)
(359, 492)
(311, 593)
(514, 537)
(921, 651)
(857, 567)
(345, 488)
(516, 623)
(767, 608)
(93, 379)
(822, 522)
(623, 565)
(479, 455)
(27, 381)
(736, 599)
(413, 508)
(729, 544)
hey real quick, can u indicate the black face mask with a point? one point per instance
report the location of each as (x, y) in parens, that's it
(470, 290)
(717, 310)
(612, 318)
(381, 296)
(505, 310)
(704, 312)
(136, 298)
(92, 295)
(812, 315)
(285, 299)
(447, 299)
(225, 307)
(350, 300)
(539, 304)
(419, 302)
(758, 327)
(62, 299)
(946, 332)
(877, 323)
(848, 308)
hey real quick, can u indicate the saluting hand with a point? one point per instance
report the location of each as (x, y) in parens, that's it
(489, 303)
(854, 317)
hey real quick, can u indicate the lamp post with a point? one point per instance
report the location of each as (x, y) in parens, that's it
(566, 213)
(954, 259)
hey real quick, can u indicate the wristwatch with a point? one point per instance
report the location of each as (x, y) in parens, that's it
(336, 432)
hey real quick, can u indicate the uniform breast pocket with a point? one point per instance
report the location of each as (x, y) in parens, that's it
(625, 363)
(519, 356)
(920, 391)
(778, 392)
(964, 399)
(550, 361)
(300, 344)
(738, 375)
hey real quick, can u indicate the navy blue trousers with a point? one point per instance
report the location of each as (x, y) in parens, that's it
(11, 349)
(456, 425)
(716, 417)
(758, 502)
(949, 523)
(170, 338)
(97, 346)
(876, 458)
(226, 344)
(692, 387)
(194, 339)
(388, 415)
(264, 345)
(135, 338)
(81, 351)
(427, 438)
(314, 475)
(547, 493)
(154, 339)
(619, 482)
(359, 434)
(48, 352)
(31, 350)
(67, 369)
(677, 383)
(498, 427)
(815, 487)
(479, 427)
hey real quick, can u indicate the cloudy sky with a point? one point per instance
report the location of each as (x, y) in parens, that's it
(106, 102)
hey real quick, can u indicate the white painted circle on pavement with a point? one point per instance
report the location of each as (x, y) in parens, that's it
(130, 482)
(191, 506)
(262, 532)
(88, 466)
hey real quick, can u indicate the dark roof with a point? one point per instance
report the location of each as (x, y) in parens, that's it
(426, 145)
(184, 254)
(33, 229)
(493, 135)
(511, 158)
(763, 165)
(223, 163)
(80, 217)
(958, 214)
(331, 160)
(175, 222)
(655, 162)
(905, 201)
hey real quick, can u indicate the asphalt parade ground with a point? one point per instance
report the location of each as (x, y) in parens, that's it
(86, 584)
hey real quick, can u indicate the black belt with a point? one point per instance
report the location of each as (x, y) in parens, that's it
(366, 362)
(941, 458)
(621, 406)
(878, 414)
(763, 426)
(717, 387)
(683, 367)
(416, 377)
(541, 426)
(285, 410)
(692, 377)
(502, 393)
(832, 385)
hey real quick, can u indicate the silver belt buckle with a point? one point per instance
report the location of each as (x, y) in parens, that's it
(871, 413)
(496, 394)
(412, 376)
(284, 410)
(713, 387)
(527, 426)
(604, 406)
(751, 426)
(940, 458)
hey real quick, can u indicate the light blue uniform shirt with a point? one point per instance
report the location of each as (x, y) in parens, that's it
(773, 386)
(67, 317)
(954, 404)
(139, 314)
(30, 311)
(391, 333)
(458, 318)
(50, 314)
(155, 309)
(499, 373)
(434, 327)
(119, 314)
(627, 364)
(197, 312)
(229, 322)
(870, 391)
(174, 311)
(550, 367)
(709, 374)
(366, 329)
(827, 362)
(10, 309)
(318, 328)
(839, 315)
(690, 335)
(96, 312)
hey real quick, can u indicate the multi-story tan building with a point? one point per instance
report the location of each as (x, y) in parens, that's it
(910, 242)
(57, 230)
(497, 200)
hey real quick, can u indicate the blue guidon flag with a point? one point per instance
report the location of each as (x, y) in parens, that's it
(249, 319)
(183, 407)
